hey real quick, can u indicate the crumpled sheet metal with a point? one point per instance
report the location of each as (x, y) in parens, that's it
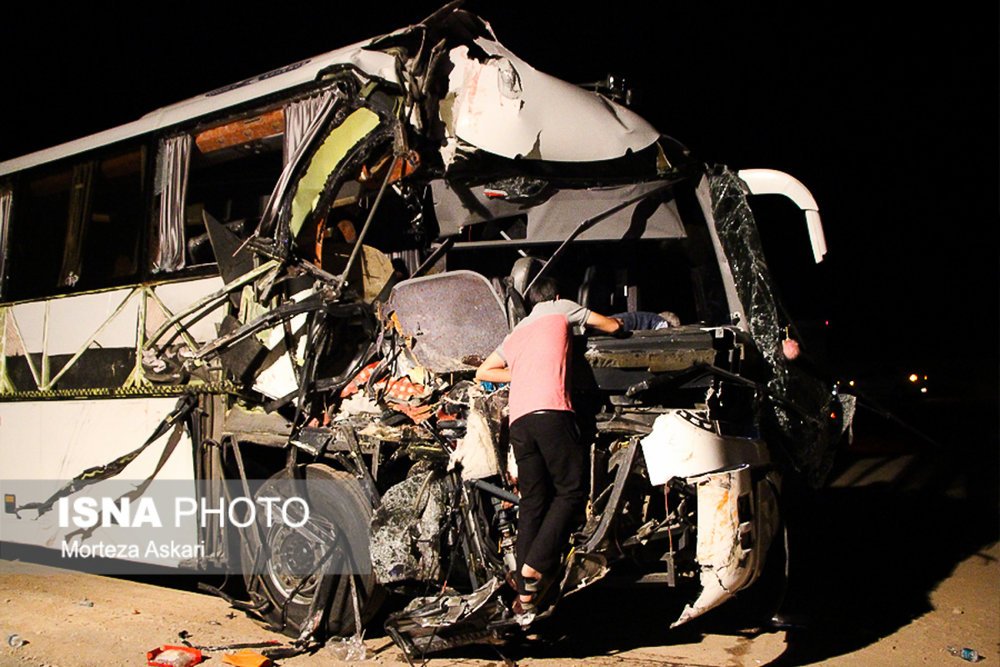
(726, 565)
(683, 444)
(431, 624)
(278, 376)
(505, 106)
(443, 610)
(477, 445)
(799, 405)
(328, 156)
(406, 530)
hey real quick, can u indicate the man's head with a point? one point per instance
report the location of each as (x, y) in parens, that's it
(544, 289)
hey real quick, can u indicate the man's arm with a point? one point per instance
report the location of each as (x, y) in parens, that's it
(600, 322)
(493, 369)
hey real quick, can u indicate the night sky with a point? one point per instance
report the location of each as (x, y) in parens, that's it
(890, 118)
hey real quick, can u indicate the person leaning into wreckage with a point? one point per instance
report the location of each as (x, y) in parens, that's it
(551, 462)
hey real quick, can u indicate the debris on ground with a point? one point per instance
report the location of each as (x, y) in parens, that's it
(174, 656)
(246, 658)
(967, 654)
(348, 649)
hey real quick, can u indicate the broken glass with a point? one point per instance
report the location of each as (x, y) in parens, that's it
(799, 409)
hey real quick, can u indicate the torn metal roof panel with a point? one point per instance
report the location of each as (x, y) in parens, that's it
(505, 106)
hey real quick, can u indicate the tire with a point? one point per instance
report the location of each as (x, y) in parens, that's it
(336, 499)
(767, 594)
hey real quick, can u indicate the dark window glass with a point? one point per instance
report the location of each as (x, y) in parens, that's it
(77, 227)
(110, 245)
(233, 169)
(38, 232)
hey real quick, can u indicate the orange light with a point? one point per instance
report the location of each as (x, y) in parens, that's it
(833, 415)
(914, 377)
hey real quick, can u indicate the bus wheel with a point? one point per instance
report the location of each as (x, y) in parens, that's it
(290, 566)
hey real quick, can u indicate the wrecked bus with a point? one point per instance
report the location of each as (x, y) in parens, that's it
(296, 276)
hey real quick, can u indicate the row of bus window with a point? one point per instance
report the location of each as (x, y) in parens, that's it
(100, 219)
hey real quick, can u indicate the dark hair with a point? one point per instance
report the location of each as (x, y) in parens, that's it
(544, 289)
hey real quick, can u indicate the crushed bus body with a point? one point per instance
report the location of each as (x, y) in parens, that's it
(325, 272)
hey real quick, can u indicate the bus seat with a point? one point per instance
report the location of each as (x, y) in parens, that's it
(523, 270)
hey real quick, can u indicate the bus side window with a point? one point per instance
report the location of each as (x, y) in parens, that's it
(231, 171)
(37, 232)
(108, 251)
(76, 227)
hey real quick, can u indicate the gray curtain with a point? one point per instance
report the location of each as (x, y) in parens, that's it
(171, 185)
(301, 128)
(6, 199)
(299, 117)
(76, 223)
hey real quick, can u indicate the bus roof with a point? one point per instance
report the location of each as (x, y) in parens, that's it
(374, 63)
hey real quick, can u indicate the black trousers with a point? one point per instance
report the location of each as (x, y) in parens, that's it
(552, 478)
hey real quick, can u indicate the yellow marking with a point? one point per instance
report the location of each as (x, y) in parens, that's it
(329, 156)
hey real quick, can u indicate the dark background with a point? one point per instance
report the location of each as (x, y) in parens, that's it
(889, 117)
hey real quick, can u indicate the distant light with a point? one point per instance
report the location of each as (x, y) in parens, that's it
(923, 390)
(925, 378)
(851, 383)
(833, 415)
(826, 322)
(914, 377)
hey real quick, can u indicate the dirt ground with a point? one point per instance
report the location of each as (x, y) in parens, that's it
(896, 560)
(53, 613)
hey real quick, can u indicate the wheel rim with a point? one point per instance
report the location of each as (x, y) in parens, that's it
(292, 554)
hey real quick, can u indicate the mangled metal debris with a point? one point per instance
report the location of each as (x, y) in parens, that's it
(408, 530)
(433, 177)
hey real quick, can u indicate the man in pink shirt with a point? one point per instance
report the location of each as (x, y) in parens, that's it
(551, 462)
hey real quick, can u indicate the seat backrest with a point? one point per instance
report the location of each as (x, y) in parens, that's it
(524, 269)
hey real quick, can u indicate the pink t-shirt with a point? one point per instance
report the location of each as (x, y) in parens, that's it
(537, 353)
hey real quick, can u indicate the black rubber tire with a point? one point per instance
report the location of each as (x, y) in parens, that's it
(340, 500)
